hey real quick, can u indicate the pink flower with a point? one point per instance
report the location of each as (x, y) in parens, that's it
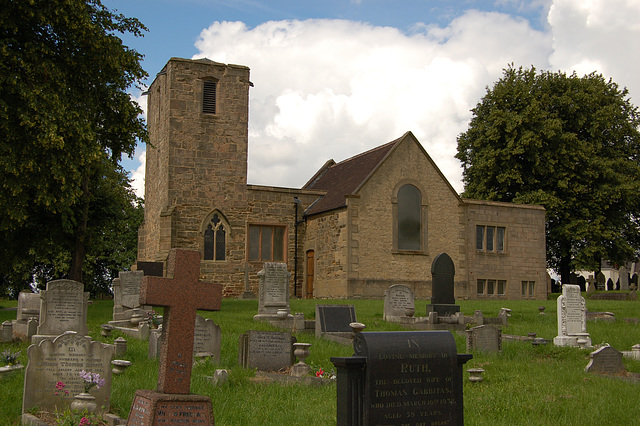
(319, 373)
(84, 421)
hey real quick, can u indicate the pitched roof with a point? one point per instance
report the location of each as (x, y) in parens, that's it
(345, 178)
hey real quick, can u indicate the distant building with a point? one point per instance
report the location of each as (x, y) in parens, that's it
(363, 224)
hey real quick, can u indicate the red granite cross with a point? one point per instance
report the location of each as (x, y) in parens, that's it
(181, 295)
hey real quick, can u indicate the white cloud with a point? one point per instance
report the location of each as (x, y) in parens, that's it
(334, 88)
(598, 35)
(137, 176)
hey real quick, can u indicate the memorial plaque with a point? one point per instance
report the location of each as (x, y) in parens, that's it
(152, 408)
(266, 350)
(410, 378)
(130, 287)
(64, 308)
(273, 288)
(334, 318)
(484, 338)
(606, 360)
(61, 359)
(398, 298)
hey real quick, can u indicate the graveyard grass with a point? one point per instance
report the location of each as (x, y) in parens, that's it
(523, 385)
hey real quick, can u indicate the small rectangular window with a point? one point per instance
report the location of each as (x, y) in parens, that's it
(500, 239)
(479, 237)
(480, 287)
(524, 288)
(491, 287)
(209, 93)
(490, 231)
(502, 285)
(532, 285)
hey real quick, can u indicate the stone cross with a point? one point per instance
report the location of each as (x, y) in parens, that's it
(181, 295)
(592, 283)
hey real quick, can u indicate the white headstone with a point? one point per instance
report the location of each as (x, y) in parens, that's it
(61, 359)
(572, 318)
(397, 299)
(63, 308)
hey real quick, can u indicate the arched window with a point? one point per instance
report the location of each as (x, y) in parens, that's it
(215, 238)
(409, 218)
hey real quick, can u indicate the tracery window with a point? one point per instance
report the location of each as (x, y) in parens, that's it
(215, 238)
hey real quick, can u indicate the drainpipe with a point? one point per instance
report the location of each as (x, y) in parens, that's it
(296, 203)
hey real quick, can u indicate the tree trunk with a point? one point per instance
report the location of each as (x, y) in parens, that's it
(565, 263)
(79, 251)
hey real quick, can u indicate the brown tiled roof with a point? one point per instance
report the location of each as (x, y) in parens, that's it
(345, 178)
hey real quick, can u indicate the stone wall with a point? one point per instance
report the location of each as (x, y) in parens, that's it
(524, 256)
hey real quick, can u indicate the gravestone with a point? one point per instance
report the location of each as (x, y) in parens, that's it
(181, 294)
(206, 341)
(334, 319)
(397, 300)
(606, 360)
(572, 318)
(624, 278)
(609, 285)
(61, 359)
(273, 291)
(126, 295)
(591, 284)
(582, 283)
(27, 316)
(63, 307)
(443, 272)
(399, 378)
(600, 281)
(151, 269)
(266, 350)
(484, 338)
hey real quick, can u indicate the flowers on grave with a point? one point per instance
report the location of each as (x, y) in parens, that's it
(9, 357)
(324, 375)
(60, 389)
(91, 380)
(320, 372)
(153, 318)
(84, 422)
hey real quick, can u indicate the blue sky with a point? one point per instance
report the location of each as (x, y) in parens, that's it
(334, 78)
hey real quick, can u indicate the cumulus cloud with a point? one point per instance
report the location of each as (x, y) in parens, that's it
(334, 88)
(137, 176)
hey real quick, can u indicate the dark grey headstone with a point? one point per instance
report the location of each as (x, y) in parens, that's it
(409, 377)
(606, 360)
(609, 284)
(151, 269)
(600, 281)
(442, 288)
(334, 318)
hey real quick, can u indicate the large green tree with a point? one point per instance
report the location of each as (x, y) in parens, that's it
(65, 121)
(569, 143)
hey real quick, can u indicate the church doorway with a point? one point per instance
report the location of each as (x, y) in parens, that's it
(310, 273)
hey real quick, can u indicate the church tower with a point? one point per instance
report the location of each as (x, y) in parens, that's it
(196, 165)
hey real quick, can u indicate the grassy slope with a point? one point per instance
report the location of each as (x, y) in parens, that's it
(523, 385)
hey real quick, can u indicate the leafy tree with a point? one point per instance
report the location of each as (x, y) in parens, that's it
(568, 143)
(65, 121)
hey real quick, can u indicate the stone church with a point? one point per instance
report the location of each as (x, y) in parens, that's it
(354, 229)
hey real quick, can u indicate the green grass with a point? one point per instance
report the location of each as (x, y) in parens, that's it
(522, 385)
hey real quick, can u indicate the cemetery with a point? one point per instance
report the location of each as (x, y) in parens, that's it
(487, 377)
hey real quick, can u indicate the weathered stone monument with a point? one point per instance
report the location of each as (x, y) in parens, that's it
(27, 317)
(572, 318)
(206, 341)
(600, 281)
(399, 302)
(606, 360)
(63, 307)
(273, 291)
(484, 338)
(399, 378)
(182, 295)
(126, 297)
(624, 278)
(61, 359)
(266, 350)
(443, 272)
(332, 322)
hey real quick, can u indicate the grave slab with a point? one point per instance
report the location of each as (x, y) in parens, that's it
(606, 360)
(266, 350)
(484, 338)
(572, 318)
(63, 308)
